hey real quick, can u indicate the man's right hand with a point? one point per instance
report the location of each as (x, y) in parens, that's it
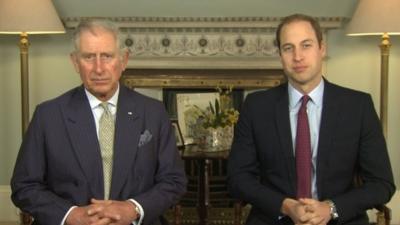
(86, 215)
(295, 210)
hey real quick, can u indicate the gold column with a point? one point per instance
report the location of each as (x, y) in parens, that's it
(24, 47)
(385, 47)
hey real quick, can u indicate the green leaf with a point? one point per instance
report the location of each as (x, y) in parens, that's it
(211, 107)
(217, 110)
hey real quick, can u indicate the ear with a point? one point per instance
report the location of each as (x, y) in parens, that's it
(124, 59)
(323, 49)
(74, 60)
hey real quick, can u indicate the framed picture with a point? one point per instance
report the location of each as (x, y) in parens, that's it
(178, 100)
(178, 133)
(185, 103)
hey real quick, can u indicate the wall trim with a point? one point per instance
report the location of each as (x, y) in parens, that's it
(201, 22)
(202, 42)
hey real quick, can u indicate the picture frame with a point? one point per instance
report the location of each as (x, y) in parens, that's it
(184, 104)
(170, 96)
(178, 133)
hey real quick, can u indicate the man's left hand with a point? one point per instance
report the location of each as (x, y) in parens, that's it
(120, 212)
(317, 212)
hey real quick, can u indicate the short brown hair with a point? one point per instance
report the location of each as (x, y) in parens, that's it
(298, 17)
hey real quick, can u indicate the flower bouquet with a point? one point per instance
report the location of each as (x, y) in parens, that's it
(213, 126)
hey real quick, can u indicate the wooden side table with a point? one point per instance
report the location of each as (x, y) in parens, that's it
(203, 159)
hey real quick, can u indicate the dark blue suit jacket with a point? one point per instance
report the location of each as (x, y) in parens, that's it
(261, 166)
(59, 163)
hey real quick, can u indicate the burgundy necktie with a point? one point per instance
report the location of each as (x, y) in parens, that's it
(303, 152)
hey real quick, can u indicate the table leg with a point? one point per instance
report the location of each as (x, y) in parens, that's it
(204, 192)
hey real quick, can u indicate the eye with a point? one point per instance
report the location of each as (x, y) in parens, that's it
(88, 57)
(307, 44)
(107, 56)
(287, 48)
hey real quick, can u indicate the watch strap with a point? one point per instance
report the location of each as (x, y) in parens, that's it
(333, 210)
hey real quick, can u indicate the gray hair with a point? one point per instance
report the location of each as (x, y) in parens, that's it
(90, 25)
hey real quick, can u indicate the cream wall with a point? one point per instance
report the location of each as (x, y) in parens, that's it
(353, 62)
(50, 75)
(196, 8)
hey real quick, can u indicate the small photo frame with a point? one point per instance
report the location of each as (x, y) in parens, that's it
(178, 133)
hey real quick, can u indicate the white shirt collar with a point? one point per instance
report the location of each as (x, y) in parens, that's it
(316, 95)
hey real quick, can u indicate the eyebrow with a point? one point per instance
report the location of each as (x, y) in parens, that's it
(307, 40)
(302, 42)
(95, 53)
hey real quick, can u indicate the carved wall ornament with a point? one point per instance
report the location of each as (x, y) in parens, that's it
(202, 42)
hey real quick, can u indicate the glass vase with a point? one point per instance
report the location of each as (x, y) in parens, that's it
(215, 139)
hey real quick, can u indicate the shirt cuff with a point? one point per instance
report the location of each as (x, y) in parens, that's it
(141, 212)
(66, 215)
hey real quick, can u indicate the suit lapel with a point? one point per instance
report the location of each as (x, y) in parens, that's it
(283, 125)
(82, 133)
(128, 128)
(329, 119)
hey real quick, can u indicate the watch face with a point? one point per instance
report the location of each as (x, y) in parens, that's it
(334, 214)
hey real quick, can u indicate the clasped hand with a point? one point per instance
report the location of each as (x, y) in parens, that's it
(103, 212)
(307, 211)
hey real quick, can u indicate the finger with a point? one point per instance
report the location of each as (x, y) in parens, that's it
(94, 210)
(317, 220)
(102, 202)
(102, 221)
(113, 216)
(305, 218)
(98, 201)
(94, 218)
(310, 208)
(307, 201)
(94, 201)
(300, 223)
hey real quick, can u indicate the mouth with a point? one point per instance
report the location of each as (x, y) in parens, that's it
(100, 81)
(299, 69)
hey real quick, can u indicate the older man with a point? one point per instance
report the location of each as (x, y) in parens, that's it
(100, 153)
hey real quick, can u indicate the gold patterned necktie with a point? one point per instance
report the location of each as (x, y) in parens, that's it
(106, 140)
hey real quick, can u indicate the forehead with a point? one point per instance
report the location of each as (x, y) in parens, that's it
(297, 31)
(97, 39)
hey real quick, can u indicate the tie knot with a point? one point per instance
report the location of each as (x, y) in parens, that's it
(304, 100)
(104, 105)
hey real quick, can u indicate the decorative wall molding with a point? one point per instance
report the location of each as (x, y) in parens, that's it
(190, 78)
(202, 42)
(201, 22)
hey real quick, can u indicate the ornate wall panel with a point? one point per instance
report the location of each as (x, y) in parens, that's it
(203, 42)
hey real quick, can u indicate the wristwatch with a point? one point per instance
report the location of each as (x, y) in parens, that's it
(137, 212)
(334, 213)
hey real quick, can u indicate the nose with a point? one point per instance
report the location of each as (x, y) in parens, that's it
(297, 54)
(99, 65)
